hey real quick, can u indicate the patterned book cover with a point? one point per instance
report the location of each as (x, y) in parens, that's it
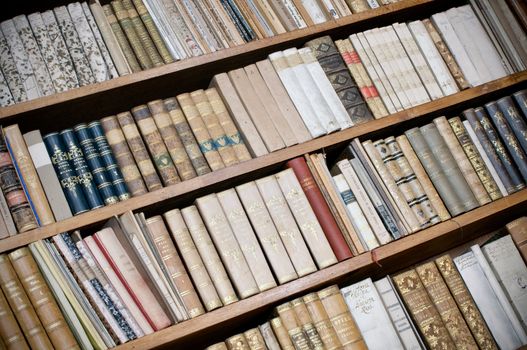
(6, 98)
(255, 339)
(10, 72)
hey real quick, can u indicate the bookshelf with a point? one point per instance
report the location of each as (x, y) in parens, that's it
(99, 100)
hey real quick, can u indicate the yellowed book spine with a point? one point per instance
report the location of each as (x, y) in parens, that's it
(281, 334)
(305, 321)
(254, 339)
(321, 321)
(237, 342)
(292, 325)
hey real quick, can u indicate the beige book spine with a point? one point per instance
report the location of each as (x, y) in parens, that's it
(303, 12)
(340, 316)
(286, 225)
(281, 334)
(246, 239)
(270, 338)
(291, 324)
(305, 321)
(209, 255)
(306, 219)
(321, 321)
(255, 339)
(518, 231)
(251, 19)
(237, 342)
(201, 132)
(232, 134)
(10, 332)
(29, 176)
(423, 178)
(229, 249)
(284, 15)
(226, 23)
(266, 231)
(217, 346)
(462, 161)
(172, 140)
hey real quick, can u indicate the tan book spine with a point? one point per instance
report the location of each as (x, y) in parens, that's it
(123, 155)
(205, 141)
(357, 6)
(29, 176)
(303, 12)
(475, 159)
(42, 300)
(246, 239)
(234, 137)
(172, 140)
(340, 316)
(255, 339)
(423, 178)
(10, 332)
(270, 15)
(269, 337)
(133, 38)
(251, 19)
(229, 249)
(21, 305)
(224, 22)
(175, 268)
(461, 159)
(237, 342)
(305, 321)
(423, 310)
(281, 334)
(321, 321)
(266, 231)
(518, 231)
(156, 146)
(446, 306)
(294, 329)
(283, 14)
(465, 303)
(217, 346)
(193, 260)
(285, 224)
(139, 151)
(209, 255)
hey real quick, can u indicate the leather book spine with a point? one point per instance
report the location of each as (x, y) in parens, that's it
(254, 339)
(521, 99)
(305, 321)
(237, 342)
(294, 329)
(518, 231)
(269, 337)
(10, 332)
(217, 346)
(357, 6)
(321, 321)
(514, 119)
(281, 334)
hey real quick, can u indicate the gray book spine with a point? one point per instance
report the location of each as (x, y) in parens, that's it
(5, 215)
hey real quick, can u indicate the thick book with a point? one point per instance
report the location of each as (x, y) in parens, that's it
(281, 334)
(518, 231)
(10, 332)
(321, 321)
(269, 337)
(255, 339)
(306, 323)
(292, 325)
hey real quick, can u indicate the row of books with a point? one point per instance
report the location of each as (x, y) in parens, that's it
(473, 301)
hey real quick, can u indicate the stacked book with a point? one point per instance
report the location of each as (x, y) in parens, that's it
(473, 301)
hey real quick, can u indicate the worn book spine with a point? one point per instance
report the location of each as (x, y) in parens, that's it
(291, 323)
(79, 165)
(305, 321)
(255, 339)
(269, 337)
(514, 119)
(10, 332)
(445, 304)
(321, 321)
(347, 331)
(201, 133)
(281, 334)
(465, 303)
(7, 225)
(42, 300)
(10, 72)
(27, 173)
(518, 231)
(217, 346)
(521, 99)
(266, 231)
(236, 342)
(423, 310)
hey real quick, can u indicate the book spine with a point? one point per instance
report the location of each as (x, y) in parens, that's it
(8, 225)
(321, 321)
(10, 332)
(217, 346)
(237, 341)
(291, 324)
(281, 334)
(42, 300)
(521, 99)
(518, 231)
(514, 119)
(255, 339)
(237, 22)
(10, 72)
(193, 260)
(172, 140)
(269, 337)
(93, 159)
(84, 176)
(305, 321)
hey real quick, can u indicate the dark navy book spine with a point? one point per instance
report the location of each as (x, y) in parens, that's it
(513, 116)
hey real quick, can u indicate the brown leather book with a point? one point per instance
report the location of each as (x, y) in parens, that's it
(305, 321)
(281, 334)
(10, 331)
(518, 232)
(321, 321)
(254, 339)
(292, 325)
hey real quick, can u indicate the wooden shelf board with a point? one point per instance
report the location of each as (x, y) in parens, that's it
(234, 314)
(258, 164)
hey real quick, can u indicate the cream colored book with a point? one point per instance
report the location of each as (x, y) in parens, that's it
(160, 16)
(330, 8)
(270, 16)
(295, 13)
(314, 10)
(226, 22)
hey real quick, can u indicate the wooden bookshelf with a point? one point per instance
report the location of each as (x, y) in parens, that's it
(168, 197)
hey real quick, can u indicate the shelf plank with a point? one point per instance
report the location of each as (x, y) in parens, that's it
(259, 165)
(457, 230)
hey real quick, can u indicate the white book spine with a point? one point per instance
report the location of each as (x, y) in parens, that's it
(327, 90)
(367, 309)
(27, 75)
(433, 57)
(63, 55)
(8, 67)
(298, 96)
(314, 11)
(331, 9)
(492, 311)
(293, 11)
(6, 99)
(100, 42)
(176, 48)
(373, 3)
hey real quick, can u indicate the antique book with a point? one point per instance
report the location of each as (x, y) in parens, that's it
(172, 140)
(217, 346)
(4, 230)
(255, 339)
(357, 6)
(367, 309)
(518, 231)
(28, 175)
(227, 26)
(5, 213)
(10, 72)
(520, 97)
(485, 298)
(475, 158)
(47, 175)
(237, 342)
(291, 323)
(321, 321)
(283, 14)
(423, 310)
(246, 238)
(156, 146)
(10, 332)
(281, 334)
(347, 331)
(514, 119)
(203, 137)
(193, 260)
(228, 248)
(399, 316)
(266, 231)
(271, 342)
(270, 17)
(306, 323)
(473, 181)
(445, 304)
(216, 131)
(286, 226)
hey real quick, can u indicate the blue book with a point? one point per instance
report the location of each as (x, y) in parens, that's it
(81, 169)
(108, 160)
(67, 177)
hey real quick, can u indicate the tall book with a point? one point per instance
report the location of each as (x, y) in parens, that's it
(281, 334)
(321, 321)
(291, 323)
(10, 332)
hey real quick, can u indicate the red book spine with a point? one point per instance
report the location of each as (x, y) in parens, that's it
(320, 207)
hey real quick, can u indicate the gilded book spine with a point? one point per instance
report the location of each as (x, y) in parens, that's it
(156, 146)
(10, 332)
(294, 329)
(321, 321)
(255, 339)
(514, 119)
(237, 342)
(475, 159)
(305, 321)
(521, 100)
(172, 140)
(281, 334)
